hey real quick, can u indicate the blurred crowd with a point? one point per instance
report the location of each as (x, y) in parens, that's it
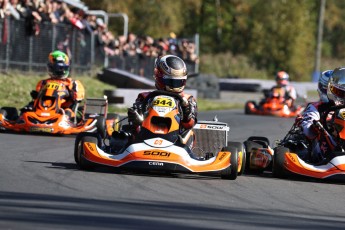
(35, 12)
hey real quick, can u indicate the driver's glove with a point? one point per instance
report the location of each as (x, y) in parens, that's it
(187, 111)
(135, 115)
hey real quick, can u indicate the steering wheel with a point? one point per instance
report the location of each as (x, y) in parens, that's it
(326, 112)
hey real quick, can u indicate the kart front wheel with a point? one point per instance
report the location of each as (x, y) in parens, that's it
(79, 158)
(101, 128)
(241, 154)
(278, 169)
(231, 172)
(249, 146)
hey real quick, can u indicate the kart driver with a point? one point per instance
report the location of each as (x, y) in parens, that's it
(331, 88)
(284, 89)
(58, 69)
(170, 73)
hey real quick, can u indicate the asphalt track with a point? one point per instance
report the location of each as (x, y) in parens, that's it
(41, 188)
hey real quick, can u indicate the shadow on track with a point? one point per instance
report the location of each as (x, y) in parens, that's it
(67, 212)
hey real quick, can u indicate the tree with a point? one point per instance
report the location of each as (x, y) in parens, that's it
(283, 36)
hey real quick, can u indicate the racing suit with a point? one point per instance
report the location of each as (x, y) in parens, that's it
(75, 88)
(316, 111)
(287, 92)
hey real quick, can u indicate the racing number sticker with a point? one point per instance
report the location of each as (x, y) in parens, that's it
(52, 85)
(164, 102)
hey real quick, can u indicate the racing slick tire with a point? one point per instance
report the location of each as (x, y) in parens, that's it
(278, 168)
(10, 113)
(247, 109)
(240, 149)
(231, 172)
(260, 140)
(79, 149)
(249, 145)
(100, 125)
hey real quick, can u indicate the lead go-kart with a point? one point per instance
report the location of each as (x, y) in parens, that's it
(48, 116)
(162, 146)
(292, 156)
(272, 105)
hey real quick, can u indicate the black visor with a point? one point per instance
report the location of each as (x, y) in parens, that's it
(174, 83)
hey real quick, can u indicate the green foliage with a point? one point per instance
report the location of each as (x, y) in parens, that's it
(268, 35)
(17, 88)
(284, 38)
(228, 65)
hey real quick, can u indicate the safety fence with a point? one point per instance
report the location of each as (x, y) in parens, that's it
(24, 51)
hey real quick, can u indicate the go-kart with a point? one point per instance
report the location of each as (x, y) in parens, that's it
(162, 145)
(292, 156)
(273, 105)
(47, 115)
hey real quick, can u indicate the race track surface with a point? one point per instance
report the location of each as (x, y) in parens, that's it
(41, 188)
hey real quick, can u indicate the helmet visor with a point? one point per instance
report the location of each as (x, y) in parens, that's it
(338, 92)
(59, 68)
(174, 83)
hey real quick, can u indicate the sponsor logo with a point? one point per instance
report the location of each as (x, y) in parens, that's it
(214, 127)
(40, 129)
(291, 158)
(45, 114)
(222, 156)
(157, 153)
(89, 146)
(156, 163)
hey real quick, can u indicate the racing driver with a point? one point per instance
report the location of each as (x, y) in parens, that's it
(58, 69)
(332, 92)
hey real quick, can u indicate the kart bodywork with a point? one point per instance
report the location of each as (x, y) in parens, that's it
(161, 146)
(292, 155)
(272, 105)
(47, 115)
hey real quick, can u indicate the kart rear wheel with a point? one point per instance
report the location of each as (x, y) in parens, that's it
(101, 129)
(242, 150)
(10, 113)
(249, 146)
(79, 149)
(247, 109)
(231, 172)
(278, 169)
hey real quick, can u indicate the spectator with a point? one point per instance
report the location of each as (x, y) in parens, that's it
(6, 9)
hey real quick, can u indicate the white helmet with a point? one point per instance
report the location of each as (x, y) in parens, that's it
(323, 84)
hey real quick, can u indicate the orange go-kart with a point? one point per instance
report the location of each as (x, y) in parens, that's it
(293, 157)
(273, 105)
(47, 115)
(160, 144)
